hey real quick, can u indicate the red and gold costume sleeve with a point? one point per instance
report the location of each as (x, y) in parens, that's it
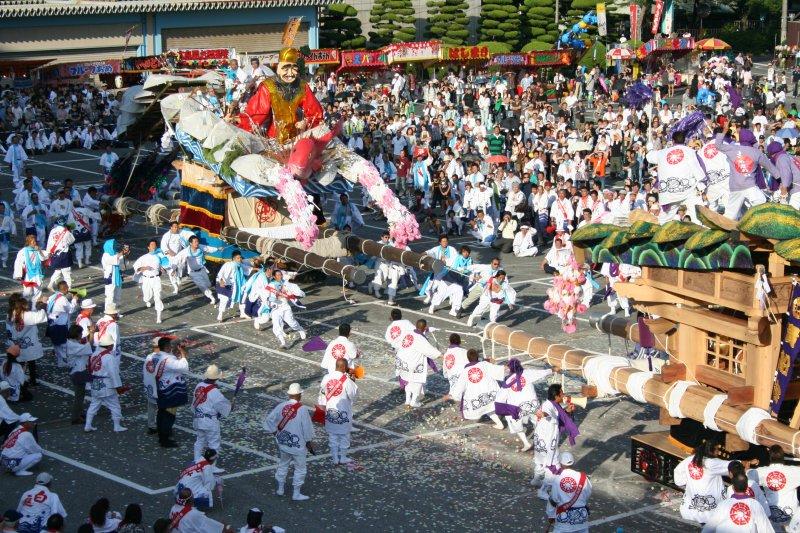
(258, 110)
(312, 109)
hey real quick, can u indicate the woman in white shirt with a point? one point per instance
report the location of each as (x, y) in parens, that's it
(22, 326)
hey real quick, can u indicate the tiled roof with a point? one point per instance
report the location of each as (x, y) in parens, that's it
(38, 8)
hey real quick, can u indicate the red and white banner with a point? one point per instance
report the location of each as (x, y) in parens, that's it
(636, 34)
(658, 10)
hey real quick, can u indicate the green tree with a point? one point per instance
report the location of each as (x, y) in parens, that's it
(339, 28)
(447, 21)
(541, 29)
(500, 22)
(392, 22)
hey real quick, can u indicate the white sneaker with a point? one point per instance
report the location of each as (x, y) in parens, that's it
(120, 429)
(526, 447)
(391, 302)
(303, 335)
(23, 473)
(427, 299)
(453, 313)
(470, 321)
(280, 491)
(298, 497)
(627, 314)
(282, 343)
(497, 425)
(174, 290)
(431, 309)
(158, 320)
(89, 429)
(148, 304)
(344, 460)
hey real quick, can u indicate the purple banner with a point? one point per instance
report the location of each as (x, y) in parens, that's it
(790, 347)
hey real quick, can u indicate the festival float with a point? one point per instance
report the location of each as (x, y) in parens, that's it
(721, 301)
(239, 188)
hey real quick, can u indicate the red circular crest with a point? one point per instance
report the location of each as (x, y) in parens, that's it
(408, 340)
(568, 485)
(776, 480)
(516, 387)
(744, 164)
(674, 156)
(740, 513)
(695, 472)
(394, 332)
(40, 497)
(338, 351)
(710, 151)
(475, 374)
(449, 361)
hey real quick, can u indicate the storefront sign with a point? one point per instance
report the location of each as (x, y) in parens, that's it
(549, 58)
(408, 52)
(79, 70)
(465, 53)
(363, 58)
(602, 27)
(323, 56)
(144, 63)
(509, 60)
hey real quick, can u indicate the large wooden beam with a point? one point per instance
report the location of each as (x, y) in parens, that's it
(281, 249)
(692, 403)
(408, 258)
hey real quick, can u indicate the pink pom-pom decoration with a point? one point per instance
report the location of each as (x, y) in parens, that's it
(306, 230)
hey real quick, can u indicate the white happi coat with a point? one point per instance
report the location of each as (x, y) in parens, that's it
(208, 406)
(522, 394)
(199, 478)
(337, 393)
(296, 433)
(27, 337)
(107, 326)
(453, 362)
(704, 488)
(340, 348)
(396, 330)
(718, 173)
(753, 491)
(412, 353)
(679, 172)
(563, 213)
(546, 435)
(37, 504)
(104, 368)
(193, 521)
(20, 443)
(738, 513)
(477, 388)
(563, 488)
(780, 484)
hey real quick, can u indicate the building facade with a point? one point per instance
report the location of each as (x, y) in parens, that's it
(48, 31)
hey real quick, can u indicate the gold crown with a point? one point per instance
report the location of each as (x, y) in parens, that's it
(289, 55)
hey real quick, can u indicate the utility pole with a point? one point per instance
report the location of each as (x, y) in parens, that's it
(784, 17)
(557, 12)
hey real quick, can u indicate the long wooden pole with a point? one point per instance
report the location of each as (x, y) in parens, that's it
(157, 214)
(656, 392)
(356, 245)
(266, 246)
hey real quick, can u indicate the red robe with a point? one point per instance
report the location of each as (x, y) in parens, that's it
(269, 107)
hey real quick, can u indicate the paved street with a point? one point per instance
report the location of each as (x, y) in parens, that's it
(422, 469)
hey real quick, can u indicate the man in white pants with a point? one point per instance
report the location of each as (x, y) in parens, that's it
(279, 295)
(58, 243)
(194, 258)
(290, 422)
(413, 352)
(172, 242)
(113, 262)
(147, 269)
(496, 293)
(82, 219)
(105, 384)
(208, 406)
(20, 450)
(387, 273)
(230, 285)
(336, 395)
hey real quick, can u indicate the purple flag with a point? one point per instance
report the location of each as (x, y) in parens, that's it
(790, 347)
